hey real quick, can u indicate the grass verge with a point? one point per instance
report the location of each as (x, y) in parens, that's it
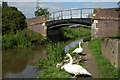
(105, 68)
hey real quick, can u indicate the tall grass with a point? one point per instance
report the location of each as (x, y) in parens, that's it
(105, 68)
(55, 55)
(22, 39)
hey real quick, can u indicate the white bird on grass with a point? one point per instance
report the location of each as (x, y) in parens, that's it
(74, 68)
(78, 50)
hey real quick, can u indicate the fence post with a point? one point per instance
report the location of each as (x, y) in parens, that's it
(48, 17)
(53, 17)
(71, 14)
(61, 15)
(81, 13)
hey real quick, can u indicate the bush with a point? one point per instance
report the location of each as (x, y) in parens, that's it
(22, 39)
(12, 20)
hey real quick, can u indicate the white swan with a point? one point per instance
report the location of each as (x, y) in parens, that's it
(74, 68)
(78, 50)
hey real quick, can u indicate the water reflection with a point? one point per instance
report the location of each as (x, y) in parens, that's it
(28, 72)
(19, 63)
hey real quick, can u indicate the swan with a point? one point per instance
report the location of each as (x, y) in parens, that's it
(74, 68)
(78, 50)
(77, 59)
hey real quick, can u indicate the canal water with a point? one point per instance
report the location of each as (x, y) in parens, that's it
(19, 63)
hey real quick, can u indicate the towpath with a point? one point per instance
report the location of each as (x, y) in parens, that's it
(90, 64)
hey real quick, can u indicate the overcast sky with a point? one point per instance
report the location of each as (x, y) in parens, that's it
(28, 8)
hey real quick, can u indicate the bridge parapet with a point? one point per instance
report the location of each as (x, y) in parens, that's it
(70, 14)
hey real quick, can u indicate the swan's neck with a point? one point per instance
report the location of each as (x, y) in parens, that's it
(79, 45)
(71, 61)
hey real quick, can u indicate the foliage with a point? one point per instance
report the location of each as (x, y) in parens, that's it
(22, 39)
(12, 20)
(77, 32)
(4, 5)
(41, 12)
(105, 68)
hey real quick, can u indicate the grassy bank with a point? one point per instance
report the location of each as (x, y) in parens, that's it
(76, 32)
(22, 39)
(105, 68)
(56, 55)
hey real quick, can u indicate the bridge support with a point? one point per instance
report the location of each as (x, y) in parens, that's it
(105, 22)
(37, 24)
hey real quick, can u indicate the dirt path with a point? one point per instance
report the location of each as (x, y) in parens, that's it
(90, 64)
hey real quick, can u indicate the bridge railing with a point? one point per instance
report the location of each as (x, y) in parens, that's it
(69, 14)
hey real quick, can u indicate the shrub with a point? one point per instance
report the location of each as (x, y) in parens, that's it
(12, 20)
(22, 39)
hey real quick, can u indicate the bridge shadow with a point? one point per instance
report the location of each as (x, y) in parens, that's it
(56, 35)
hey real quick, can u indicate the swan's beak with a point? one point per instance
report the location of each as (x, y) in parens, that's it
(65, 57)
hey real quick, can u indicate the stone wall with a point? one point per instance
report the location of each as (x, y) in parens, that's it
(37, 24)
(105, 22)
(111, 50)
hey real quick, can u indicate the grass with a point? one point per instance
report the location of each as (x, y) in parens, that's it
(105, 68)
(55, 55)
(117, 35)
(22, 39)
(76, 32)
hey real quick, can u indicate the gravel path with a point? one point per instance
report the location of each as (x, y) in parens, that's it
(90, 64)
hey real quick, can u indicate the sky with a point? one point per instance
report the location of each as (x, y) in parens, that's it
(62, 0)
(28, 8)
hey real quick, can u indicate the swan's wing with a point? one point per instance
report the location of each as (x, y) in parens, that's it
(79, 69)
(74, 69)
(82, 70)
(78, 50)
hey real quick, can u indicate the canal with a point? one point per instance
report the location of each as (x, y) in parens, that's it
(19, 63)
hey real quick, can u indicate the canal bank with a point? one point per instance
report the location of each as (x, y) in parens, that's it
(28, 57)
(56, 51)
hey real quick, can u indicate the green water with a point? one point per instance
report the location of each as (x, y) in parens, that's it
(19, 63)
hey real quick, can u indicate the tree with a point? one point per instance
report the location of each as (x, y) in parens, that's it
(4, 5)
(41, 12)
(12, 20)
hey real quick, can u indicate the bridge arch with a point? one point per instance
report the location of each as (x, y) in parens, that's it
(69, 17)
(68, 22)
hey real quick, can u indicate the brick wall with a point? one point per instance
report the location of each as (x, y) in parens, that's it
(105, 22)
(107, 27)
(37, 24)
